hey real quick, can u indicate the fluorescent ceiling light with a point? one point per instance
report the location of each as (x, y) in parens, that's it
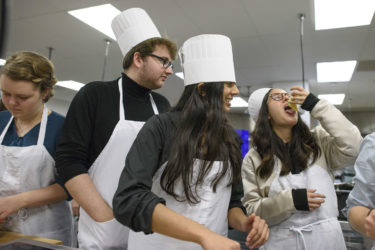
(70, 85)
(333, 14)
(335, 71)
(238, 102)
(99, 17)
(180, 75)
(335, 99)
(2, 62)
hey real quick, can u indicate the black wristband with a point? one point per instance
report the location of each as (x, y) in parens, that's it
(310, 102)
(300, 199)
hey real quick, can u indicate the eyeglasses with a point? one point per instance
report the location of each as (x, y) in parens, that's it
(280, 96)
(165, 61)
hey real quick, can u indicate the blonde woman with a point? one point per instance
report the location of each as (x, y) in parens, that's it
(31, 202)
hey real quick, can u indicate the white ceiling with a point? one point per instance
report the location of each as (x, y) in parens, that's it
(265, 38)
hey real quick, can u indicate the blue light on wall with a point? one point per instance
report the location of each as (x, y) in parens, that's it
(244, 135)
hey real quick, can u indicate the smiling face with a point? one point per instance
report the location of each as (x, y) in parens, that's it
(229, 91)
(22, 98)
(279, 112)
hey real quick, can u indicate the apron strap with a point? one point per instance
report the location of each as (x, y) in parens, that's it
(5, 130)
(122, 110)
(156, 112)
(43, 126)
(42, 129)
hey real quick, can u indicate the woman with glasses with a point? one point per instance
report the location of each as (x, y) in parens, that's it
(181, 185)
(287, 175)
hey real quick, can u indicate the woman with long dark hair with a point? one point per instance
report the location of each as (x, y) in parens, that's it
(287, 175)
(182, 176)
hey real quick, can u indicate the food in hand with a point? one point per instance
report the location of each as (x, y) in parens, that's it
(292, 105)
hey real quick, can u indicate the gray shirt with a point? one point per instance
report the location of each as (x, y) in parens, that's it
(363, 193)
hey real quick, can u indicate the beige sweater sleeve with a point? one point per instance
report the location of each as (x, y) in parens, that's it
(273, 209)
(339, 138)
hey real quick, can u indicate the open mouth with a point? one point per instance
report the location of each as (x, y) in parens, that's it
(289, 110)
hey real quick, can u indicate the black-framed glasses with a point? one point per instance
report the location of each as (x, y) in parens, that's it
(166, 63)
(280, 96)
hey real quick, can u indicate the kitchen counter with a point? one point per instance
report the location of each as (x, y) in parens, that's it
(9, 236)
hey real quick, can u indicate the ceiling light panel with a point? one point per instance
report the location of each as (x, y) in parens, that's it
(70, 85)
(341, 71)
(333, 14)
(99, 17)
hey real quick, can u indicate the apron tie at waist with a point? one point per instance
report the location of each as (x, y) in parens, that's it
(299, 230)
(307, 228)
(22, 213)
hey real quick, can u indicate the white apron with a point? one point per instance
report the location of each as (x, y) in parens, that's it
(105, 174)
(316, 230)
(27, 168)
(211, 212)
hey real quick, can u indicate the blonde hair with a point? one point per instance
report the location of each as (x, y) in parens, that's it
(32, 67)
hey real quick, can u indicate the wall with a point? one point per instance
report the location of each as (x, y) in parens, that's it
(364, 120)
(239, 121)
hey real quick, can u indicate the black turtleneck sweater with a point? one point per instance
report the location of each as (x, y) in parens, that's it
(92, 117)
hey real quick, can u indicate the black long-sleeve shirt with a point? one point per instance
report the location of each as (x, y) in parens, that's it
(92, 117)
(134, 203)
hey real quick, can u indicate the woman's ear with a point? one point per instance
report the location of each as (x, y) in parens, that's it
(200, 91)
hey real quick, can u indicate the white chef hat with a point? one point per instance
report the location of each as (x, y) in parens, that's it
(207, 58)
(133, 26)
(255, 102)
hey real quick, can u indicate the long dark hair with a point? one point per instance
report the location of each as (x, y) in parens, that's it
(203, 133)
(298, 151)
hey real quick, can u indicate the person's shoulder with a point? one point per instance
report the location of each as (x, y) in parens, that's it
(164, 120)
(370, 137)
(369, 140)
(159, 98)
(59, 118)
(168, 116)
(99, 86)
(253, 156)
(161, 102)
(93, 92)
(4, 119)
(160, 118)
(55, 121)
(5, 115)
